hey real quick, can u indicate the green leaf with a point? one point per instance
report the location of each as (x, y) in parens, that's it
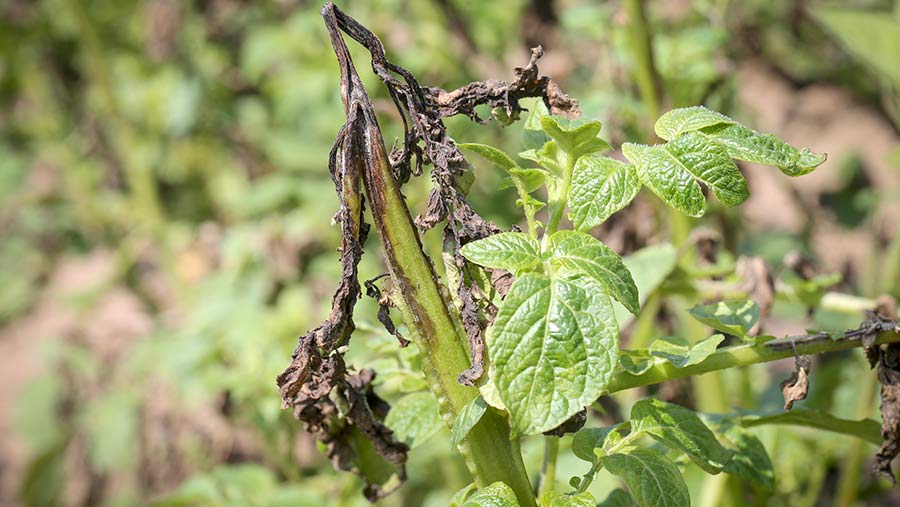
(414, 418)
(750, 460)
(586, 440)
(652, 479)
(497, 157)
(533, 136)
(497, 494)
(579, 252)
(680, 353)
(616, 498)
(600, 187)
(743, 143)
(635, 362)
(575, 137)
(531, 178)
(553, 499)
(680, 429)
(688, 119)
(460, 496)
(871, 36)
(735, 317)
(467, 418)
(553, 349)
(667, 178)
(649, 267)
(512, 251)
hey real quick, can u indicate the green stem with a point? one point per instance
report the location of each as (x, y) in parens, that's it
(529, 210)
(645, 74)
(559, 200)
(744, 355)
(436, 329)
(548, 469)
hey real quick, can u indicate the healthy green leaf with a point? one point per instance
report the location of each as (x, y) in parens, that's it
(512, 251)
(575, 137)
(414, 418)
(681, 429)
(497, 494)
(579, 252)
(553, 348)
(652, 479)
(586, 440)
(680, 353)
(533, 135)
(649, 267)
(460, 496)
(467, 418)
(531, 178)
(568, 500)
(735, 317)
(616, 498)
(600, 187)
(744, 143)
(635, 362)
(667, 178)
(688, 119)
(750, 460)
(497, 157)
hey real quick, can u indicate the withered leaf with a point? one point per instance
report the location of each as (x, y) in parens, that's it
(796, 387)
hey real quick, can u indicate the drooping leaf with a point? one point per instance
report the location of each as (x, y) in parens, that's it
(750, 460)
(681, 429)
(582, 253)
(680, 353)
(635, 362)
(576, 138)
(688, 119)
(652, 479)
(512, 251)
(744, 143)
(617, 498)
(586, 440)
(497, 494)
(735, 317)
(497, 157)
(415, 418)
(553, 347)
(467, 418)
(600, 187)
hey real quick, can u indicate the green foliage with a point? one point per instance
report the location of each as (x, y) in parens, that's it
(512, 251)
(468, 417)
(415, 418)
(732, 317)
(652, 479)
(680, 353)
(601, 186)
(495, 495)
(869, 35)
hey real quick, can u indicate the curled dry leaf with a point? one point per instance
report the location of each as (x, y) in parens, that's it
(796, 387)
(384, 306)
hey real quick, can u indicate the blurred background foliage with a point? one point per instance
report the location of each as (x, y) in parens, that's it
(165, 215)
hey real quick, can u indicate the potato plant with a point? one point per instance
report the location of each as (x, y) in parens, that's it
(518, 333)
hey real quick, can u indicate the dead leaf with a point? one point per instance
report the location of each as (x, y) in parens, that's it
(796, 387)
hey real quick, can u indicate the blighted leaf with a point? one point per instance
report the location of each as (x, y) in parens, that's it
(652, 479)
(600, 187)
(889, 378)
(680, 353)
(497, 494)
(616, 498)
(688, 119)
(750, 461)
(635, 362)
(553, 347)
(512, 251)
(497, 157)
(734, 317)
(681, 429)
(575, 137)
(467, 418)
(582, 253)
(586, 440)
(744, 143)
(415, 418)
(553, 499)
(796, 387)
